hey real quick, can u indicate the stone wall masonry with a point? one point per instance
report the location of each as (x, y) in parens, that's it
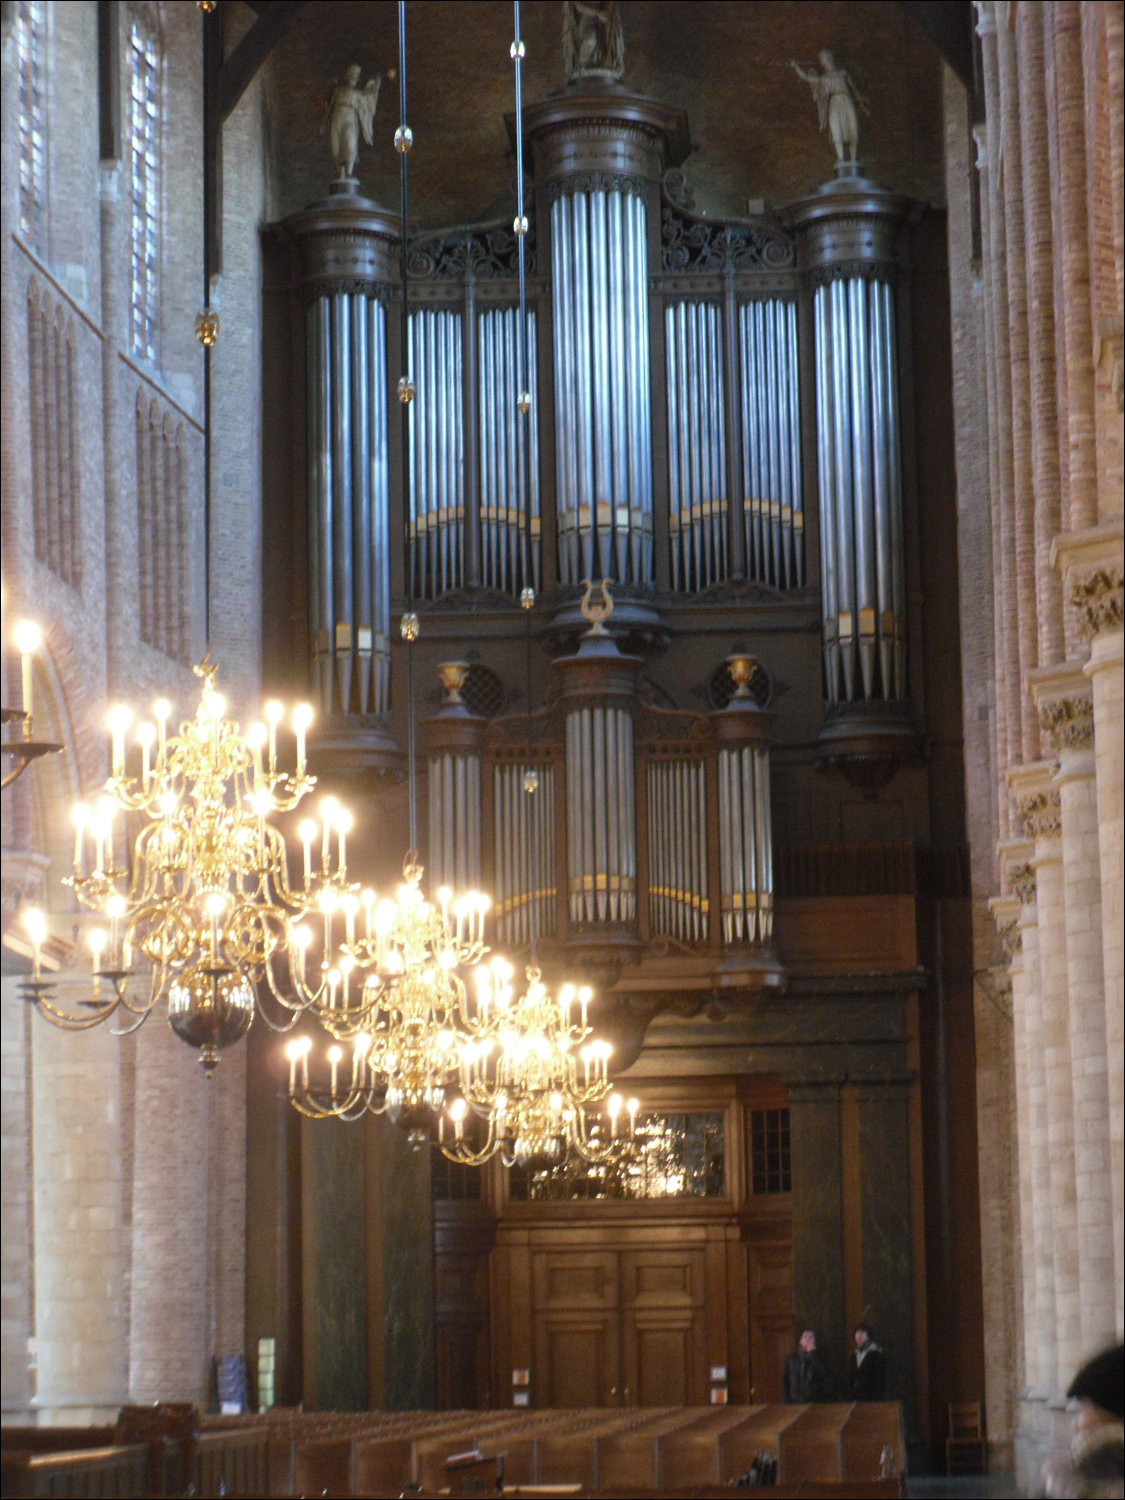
(1049, 157)
(154, 1201)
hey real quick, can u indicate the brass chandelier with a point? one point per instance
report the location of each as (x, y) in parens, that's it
(205, 910)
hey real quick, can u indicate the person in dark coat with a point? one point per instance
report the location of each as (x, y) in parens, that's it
(867, 1368)
(803, 1378)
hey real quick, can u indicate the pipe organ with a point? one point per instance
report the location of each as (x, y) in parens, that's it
(454, 747)
(773, 508)
(603, 459)
(509, 477)
(601, 826)
(704, 383)
(524, 845)
(745, 842)
(697, 457)
(435, 527)
(850, 236)
(863, 587)
(677, 849)
(344, 254)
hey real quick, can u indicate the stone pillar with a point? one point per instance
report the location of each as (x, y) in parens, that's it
(1091, 564)
(1065, 708)
(818, 1223)
(1022, 878)
(1006, 914)
(1037, 801)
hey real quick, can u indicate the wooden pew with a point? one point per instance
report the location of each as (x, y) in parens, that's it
(691, 1455)
(631, 1459)
(811, 1447)
(123, 1471)
(233, 1463)
(758, 1432)
(571, 1457)
(872, 1427)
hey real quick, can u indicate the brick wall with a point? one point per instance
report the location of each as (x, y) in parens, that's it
(123, 1207)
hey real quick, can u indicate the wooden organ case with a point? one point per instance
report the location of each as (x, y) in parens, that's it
(734, 855)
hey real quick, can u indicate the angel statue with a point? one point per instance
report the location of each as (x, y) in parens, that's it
(836, 98)
(350, 110)
(593, 43)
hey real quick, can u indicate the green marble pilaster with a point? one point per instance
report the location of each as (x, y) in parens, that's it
(888, 1299)
(818, 1241)
(400, 1226)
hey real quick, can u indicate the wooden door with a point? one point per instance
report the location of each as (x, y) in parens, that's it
(663, 1334)
(771, 1318)
(577, 1340)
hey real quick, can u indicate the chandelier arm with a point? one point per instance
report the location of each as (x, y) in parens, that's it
(65, 1020)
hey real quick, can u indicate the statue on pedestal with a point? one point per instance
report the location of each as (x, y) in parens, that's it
(593, 42)
(837, 99)
(349, 111)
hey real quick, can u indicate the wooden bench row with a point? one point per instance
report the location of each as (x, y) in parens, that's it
(622, 1451)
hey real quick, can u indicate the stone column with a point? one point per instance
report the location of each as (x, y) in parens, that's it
(1006, 914)
(1037, 801)
(1066, 714)
(1022, 878)
(1091, 563)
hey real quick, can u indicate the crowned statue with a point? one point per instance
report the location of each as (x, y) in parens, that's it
(349, 112)
(593, 43)
(837, 101)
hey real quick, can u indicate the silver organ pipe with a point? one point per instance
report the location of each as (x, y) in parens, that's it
(860, 477)
(503, 472)
(771, 450)
(697, 445)
(601, 834)
(435, 528)
(677, 849)
(524, 836)
(349, 569)
(454, 746)
(602, 405)
(455, 828)
(745, 838)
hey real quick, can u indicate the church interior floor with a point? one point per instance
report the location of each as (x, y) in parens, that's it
(994, 1486)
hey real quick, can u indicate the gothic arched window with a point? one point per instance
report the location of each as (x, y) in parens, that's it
(30, 43)
(145, 87)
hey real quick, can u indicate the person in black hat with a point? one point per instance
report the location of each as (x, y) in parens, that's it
(867, 1367)
(1097, 1458)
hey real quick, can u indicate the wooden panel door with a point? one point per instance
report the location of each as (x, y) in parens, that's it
(663, 1335)
(771, 1318)
(577, 1344)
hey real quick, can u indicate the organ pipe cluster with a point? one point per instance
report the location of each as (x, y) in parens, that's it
(599, 697)
(697, 445)
(505, 476)
(771, 444)
(455, 737)
(677, 849)
(524, 816)
(745, 838)
(435, 527)
(860, 472)
(349, 570)
(599, 277)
